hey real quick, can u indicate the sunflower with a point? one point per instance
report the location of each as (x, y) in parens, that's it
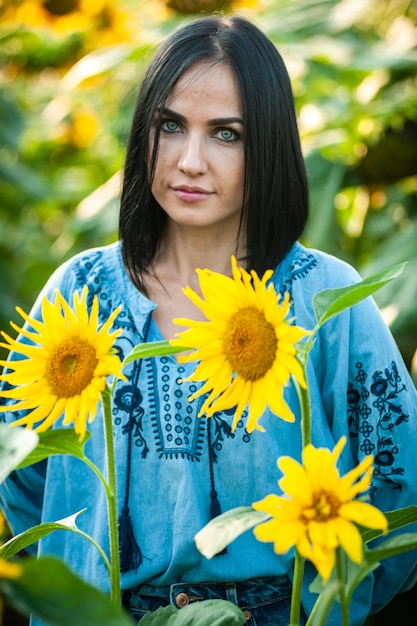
(246, 350)
(318, 512)
(66, 364)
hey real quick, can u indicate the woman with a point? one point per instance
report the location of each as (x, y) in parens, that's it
(214, 169)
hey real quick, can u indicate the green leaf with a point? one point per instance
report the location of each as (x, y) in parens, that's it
(205, 613)
(164, 616)
(15, 444)
(56, 441)
(324, 603)
(393, 546)
(32, 535)
(57, 597)
(396, 519)
(225, 528)
(154, 348)
(330, 302)
(371, 558)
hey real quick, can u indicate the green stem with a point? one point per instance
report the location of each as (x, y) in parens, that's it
(305, 409)
(344, 605)
(296, 588)
(111, 498)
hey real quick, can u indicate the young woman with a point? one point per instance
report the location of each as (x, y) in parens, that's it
(214, 169)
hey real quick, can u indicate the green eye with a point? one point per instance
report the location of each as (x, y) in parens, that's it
(227, 134)
(169, 126)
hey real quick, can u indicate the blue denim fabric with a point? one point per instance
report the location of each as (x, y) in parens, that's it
(264, 601)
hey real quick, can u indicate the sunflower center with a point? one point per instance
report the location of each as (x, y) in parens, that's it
(325, 507)
(71, 367)
(250, 343)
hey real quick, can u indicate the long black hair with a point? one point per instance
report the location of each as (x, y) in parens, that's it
(275, 204)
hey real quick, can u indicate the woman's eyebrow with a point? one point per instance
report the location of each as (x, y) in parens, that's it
(217, 121)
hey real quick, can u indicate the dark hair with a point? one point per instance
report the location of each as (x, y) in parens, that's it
(275, 205)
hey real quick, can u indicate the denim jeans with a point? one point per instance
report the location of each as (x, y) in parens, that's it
(264, 601)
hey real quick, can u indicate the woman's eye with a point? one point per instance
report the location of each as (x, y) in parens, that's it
(169, 126)
(227, 134)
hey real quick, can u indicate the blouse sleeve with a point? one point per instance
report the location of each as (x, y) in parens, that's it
(369, 397)
(360, 388)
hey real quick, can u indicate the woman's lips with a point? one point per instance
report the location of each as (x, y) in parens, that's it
(191, 194)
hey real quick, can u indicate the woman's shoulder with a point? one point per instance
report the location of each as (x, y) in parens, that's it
(92, 258)
(314, 269)
(95, 268)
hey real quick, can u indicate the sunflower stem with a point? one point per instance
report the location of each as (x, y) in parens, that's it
(111, 498)
(296, 588)
(344, 604)
(305, 409)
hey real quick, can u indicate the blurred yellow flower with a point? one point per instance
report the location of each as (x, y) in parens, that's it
(318, 512)
(246, 348)
(7, 569)
(103, 22)
(66, 364)
(84, 128)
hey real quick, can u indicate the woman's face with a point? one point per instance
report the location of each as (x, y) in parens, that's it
(199, 175)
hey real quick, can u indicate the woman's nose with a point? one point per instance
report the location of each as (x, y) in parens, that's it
(192, 159)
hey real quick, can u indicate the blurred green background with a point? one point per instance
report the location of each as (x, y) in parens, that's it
(69, 74)
(69, 71)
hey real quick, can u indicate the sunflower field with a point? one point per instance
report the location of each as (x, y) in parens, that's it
(69, 72)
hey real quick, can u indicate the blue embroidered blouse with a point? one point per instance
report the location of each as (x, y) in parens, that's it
(359, 388)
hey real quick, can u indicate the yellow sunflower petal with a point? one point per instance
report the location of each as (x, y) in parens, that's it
(358, 479)
(312, 502)
(365, 514)
(350, 539)
(283, 535)
(244, 323)
(323, 533)
(321, 468)
(65, 369)
(322, 558)
(295, 481)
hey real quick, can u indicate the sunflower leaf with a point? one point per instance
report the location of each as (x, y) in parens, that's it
(153, 348)
(396, 519)
(392, 546)
(330, 302)
(371, 558)
(56, 441)
(205, 613)
(223, 529)
(32, 535)
(325, 601)
(50, 591)
(15, 445)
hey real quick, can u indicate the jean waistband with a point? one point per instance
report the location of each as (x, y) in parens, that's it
(253, 591)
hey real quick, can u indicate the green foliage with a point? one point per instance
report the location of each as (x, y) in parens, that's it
(67, 96)
(46, 587)
(331, 302)
(205, 613)
(49, 590)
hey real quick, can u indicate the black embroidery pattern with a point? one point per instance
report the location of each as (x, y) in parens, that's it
(300, 268)
(222, 430)
(177, 432)
(128, 399)
(382, 393)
